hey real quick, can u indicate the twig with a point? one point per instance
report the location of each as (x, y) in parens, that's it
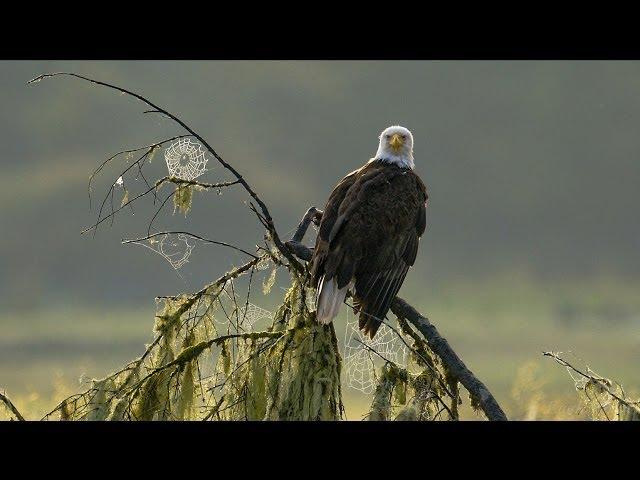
(295, 244)
(312, 215)
(198, 237)
(11, 407)
(374, 351)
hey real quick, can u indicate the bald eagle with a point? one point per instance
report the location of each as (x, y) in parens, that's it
(369, 233)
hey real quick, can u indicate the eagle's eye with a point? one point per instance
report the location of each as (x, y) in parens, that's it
(404, 137)
(388, 136)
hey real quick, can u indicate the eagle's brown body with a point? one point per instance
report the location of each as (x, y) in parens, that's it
(369, 235)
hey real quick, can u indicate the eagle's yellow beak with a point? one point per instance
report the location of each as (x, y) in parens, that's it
(396, 142)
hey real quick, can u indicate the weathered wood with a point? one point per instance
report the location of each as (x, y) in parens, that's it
(450, 359)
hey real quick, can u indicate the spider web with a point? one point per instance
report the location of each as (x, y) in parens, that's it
(253, 313)
(185, 159)
(360, 363)
(247, 314)
(175, 248)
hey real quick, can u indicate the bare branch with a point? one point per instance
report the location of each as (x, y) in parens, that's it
(136, 240)
(206, 186)
(12, 408)
(312, 215)
(270, 225)
(295, 244)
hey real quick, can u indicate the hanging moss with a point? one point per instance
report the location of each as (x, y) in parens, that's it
(152, 152)
(381, 407)
(65, 413)
(99, 405)
(268, 283)
(454, 390)
(182, 199)
(408, 414)
(292, 376)
(153, 396)
(185, 394)
(310, 390)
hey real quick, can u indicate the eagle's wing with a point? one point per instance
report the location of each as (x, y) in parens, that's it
(350, 196)
(329, 217)
(380, 279)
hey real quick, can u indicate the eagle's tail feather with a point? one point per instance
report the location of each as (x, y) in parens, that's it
(369, 323)
(329, 299)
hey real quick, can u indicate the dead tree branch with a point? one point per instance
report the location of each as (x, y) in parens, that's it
(451, 360)
(312, 215)
(269, 223)
(12, 408)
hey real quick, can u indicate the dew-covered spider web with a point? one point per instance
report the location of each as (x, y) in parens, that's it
(248, 314)
(253, 313)
(185, 159)
(175, 248)
(360, 362)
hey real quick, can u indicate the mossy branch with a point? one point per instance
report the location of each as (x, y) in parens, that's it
(439, 345)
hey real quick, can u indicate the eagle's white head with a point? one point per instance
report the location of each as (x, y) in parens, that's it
(396, 146)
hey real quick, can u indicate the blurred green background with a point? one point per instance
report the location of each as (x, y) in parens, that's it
(532, 238)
